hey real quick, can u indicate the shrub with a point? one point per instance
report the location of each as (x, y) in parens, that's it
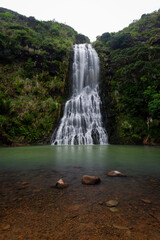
(5, 106)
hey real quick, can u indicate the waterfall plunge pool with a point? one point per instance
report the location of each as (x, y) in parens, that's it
(129, 159)
(33, 209)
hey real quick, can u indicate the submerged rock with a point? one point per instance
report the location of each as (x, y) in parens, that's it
(113, 209)
(25, 183)
(21, 187)
(115, 174)
(146, 201)
(128, 234)
(112, 203)
(6, 227)
(90, 180)
(61, 184)
(120, 227)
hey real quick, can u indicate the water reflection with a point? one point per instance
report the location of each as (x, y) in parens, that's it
(84, 155)
(108, 157)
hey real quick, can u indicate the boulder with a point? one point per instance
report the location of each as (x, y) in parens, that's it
(90, 180)
(115, 174)
(61, 184)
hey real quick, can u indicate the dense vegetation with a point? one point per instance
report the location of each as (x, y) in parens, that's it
(130, 64)
(34, 64)
(34, 68)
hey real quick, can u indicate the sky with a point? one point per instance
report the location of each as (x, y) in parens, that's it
(89, 17)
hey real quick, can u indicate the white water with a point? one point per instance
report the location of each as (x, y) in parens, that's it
(82, 122)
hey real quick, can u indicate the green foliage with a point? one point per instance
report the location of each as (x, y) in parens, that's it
(130, 71)
(5, 106)
(28, 118)
(80, 38)
(105, 37)
(34, 64)
(6, 16)
(28, 69)
(154, 106)
(121, 40)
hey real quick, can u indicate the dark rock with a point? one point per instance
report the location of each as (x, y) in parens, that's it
(61, 184)
(21, 187)
(116, 174)
(90, 180)
(101, 203)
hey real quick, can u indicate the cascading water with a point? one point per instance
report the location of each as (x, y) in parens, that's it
(82, 122)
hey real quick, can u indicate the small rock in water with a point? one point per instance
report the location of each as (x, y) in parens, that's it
(101, 203)
(112, 203)
(146, 201)
(128, 234)
(90, 180)
(113, 209)
(116, 174)
(21, 187)
(25, 183)
(6, 227)
(77, 167)
(61, 184)
(120, 227)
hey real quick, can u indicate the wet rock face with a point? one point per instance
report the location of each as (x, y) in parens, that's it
(90, 180)
(116, 174)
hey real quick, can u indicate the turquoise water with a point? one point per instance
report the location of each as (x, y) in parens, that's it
(132, 159)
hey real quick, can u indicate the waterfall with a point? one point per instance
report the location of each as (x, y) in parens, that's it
(81, 123)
